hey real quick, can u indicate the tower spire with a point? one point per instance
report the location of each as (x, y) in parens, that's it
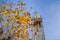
(36, 15)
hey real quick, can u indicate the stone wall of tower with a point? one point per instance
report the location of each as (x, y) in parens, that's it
(40, 32)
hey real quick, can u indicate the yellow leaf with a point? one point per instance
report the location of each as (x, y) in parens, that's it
(25, 27)
(16, 12)
(1, 7)
(19, 28)
(5, 25)
(6, 5)
(8, 24)
(14, 27)
(34, 28)
(5, 11)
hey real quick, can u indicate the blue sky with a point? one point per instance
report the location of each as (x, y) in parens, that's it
(49, 10)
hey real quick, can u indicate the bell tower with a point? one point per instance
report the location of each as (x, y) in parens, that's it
(38, 24)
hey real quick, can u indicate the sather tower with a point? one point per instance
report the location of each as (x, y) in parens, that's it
(37, 22)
